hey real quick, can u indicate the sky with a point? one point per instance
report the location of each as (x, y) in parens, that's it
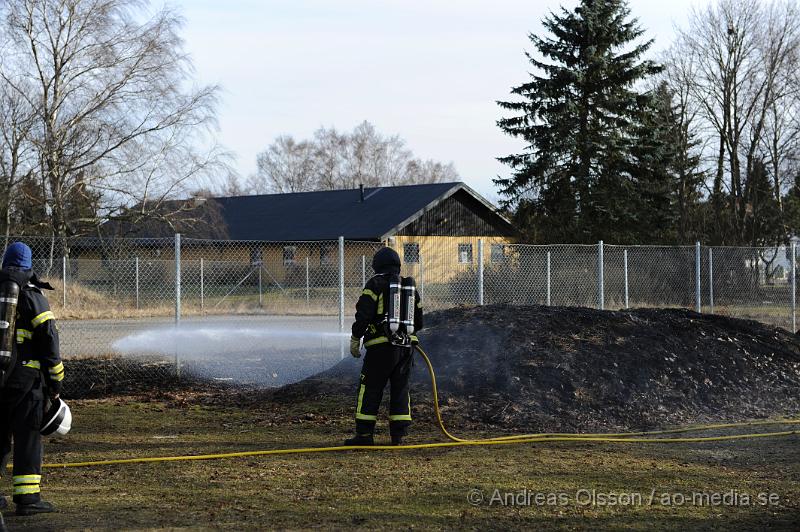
(428, 70)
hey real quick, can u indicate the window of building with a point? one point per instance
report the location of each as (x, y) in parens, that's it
(411, 253)
(255, 256)
(289, 254)
(498, 253)
(465, 253)
(326, 255)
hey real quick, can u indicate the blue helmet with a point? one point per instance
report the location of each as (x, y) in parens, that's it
(19, 256)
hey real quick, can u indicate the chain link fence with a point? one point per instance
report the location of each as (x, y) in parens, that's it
(133, 313)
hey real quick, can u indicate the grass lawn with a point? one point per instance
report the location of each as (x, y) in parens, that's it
(423, 489)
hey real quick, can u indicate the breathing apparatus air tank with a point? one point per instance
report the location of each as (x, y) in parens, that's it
(408, 289)
(394, 307)
(9, 296)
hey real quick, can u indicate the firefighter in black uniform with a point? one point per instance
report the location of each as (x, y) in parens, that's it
(38, 373)
(384, 362)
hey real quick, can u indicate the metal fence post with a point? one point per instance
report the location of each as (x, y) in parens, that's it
(260, 289)
(601, 292)
(136, 263)
(64, 280)
(177, 278)
(177, 298)
(202, 287)
(341, 294)
(697, 295)
(363, 270)
(794, 287)
(308, 300)
(548, 278)
(421, 277)
(625, 267)
(711, 279)
(480, 271)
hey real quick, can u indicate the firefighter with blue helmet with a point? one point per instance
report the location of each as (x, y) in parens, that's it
(35, 375)
(388, 356)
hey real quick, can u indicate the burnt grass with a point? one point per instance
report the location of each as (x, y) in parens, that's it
(538, 368)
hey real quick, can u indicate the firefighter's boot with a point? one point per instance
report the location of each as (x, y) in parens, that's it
(38, 507)
(360, 439)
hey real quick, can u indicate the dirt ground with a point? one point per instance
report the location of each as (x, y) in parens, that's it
(501, 369)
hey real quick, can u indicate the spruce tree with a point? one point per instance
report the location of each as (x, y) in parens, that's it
(763, 222)
(578, 114)
(664, 173)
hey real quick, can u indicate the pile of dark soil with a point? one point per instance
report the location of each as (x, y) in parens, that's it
(542, 368)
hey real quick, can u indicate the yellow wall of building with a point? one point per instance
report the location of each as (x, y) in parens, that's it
(440, 256)
(440, 260)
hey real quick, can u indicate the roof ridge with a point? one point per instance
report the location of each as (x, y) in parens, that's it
(329, 191)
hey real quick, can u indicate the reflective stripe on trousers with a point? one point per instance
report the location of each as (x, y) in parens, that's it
(27, 484)
(360, 405)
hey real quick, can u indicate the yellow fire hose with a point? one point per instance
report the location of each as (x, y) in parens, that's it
(621, 437)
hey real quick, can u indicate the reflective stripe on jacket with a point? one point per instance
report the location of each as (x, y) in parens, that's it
(37, 336)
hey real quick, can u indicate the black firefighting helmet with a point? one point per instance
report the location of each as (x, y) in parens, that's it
(386, 260)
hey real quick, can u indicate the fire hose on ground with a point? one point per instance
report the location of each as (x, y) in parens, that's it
(657, 436)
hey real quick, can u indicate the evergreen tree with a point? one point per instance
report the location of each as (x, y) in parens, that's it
(81, 207)
(652, 171)
(664, 170)
(577, 115)
(791, 208)
(763, 223)
(689, 204)
(29, 213)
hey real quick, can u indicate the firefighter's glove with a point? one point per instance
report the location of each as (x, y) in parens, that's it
(54, 391)
(355, 347)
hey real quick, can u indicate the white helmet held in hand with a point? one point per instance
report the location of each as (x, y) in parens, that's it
(57, 420)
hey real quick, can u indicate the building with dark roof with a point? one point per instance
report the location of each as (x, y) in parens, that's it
(371, 214)
(295, 235)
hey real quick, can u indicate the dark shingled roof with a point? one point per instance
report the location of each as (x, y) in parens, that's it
(326, 215)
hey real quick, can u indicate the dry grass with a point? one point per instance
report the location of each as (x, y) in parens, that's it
(84, 303)
(424, 489)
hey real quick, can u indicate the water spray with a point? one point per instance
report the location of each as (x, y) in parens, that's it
(269, 356)
(217, 340)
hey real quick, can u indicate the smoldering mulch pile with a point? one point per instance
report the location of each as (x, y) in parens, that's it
(576, 369)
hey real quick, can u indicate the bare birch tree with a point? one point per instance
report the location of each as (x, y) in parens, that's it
(744, 55)
(16, 155)
(688, 146)
(333, 160)
(329, 149)
(116, 113)
(286, 166)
